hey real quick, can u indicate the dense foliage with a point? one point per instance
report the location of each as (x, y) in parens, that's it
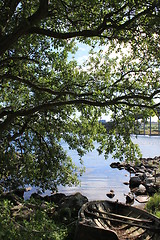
(45, 96)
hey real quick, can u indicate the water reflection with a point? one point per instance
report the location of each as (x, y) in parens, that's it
(99, 178)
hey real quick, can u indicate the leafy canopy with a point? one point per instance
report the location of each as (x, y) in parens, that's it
(45, 97)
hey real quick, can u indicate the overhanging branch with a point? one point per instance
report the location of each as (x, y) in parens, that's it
(29, 26)
(52, 105)
(7, 40)
(17, 58)
(43, 89)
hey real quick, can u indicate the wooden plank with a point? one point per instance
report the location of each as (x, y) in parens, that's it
(150, 228)
(123, 217)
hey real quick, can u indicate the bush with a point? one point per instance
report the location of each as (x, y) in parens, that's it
(153, 205)
(39, 226)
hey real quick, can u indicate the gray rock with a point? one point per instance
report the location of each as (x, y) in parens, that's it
(141, 175)
(126, 183)
(56, 198)
(151, 189)
(115, 165)
(141, 190)
(134, 182)
(129, 198)
(110, 194)
(149, 180)
(72, 202)
(129, 168)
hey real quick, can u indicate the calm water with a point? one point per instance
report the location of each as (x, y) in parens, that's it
(99, 178)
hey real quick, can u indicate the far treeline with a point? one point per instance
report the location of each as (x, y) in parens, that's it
(47, 96)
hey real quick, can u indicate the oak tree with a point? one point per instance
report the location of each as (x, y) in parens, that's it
(46, 96)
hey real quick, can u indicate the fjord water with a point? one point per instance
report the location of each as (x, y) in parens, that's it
(99, 178)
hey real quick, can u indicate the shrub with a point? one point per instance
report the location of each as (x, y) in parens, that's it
(153, 205)
(39, 226)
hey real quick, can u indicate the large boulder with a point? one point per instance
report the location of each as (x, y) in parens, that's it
(134, 182)
(56, 198)
(76, 200)
(71, 204)
(129, 168)
(141, 190)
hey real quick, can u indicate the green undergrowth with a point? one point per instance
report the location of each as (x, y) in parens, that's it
(39, 226)
(153, 205)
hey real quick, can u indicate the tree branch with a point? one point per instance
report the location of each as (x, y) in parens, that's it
(142, 13)
(51, 105)
(7, 40)
(17, 58)
(90, 33)
(28, 27)
(7, 10)
(107, 18)
(11, 115)
(65, 35)
(43, 89)
(41, 139)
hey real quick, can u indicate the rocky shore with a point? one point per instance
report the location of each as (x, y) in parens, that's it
(144, 182)
(144, 178)
(58, 206)
(53, 215)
